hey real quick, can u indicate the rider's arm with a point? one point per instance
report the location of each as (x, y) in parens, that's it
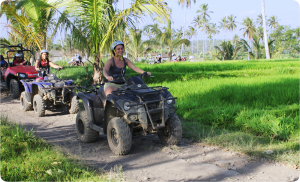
(134, 68)
(107, 65)
(54, 65)
(37, 65)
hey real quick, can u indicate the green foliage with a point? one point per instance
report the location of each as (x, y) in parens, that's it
(227, 51)
(27, 158)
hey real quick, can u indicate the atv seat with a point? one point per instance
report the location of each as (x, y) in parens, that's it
(101, 92)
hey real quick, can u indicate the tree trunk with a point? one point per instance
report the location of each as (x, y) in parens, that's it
(98, 68)
(170, 54)
(265, 30)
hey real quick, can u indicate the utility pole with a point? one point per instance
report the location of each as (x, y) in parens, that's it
(265, 30)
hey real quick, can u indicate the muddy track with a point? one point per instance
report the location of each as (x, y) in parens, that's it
(148, 159)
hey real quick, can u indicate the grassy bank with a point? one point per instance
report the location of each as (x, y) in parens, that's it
(27, 158)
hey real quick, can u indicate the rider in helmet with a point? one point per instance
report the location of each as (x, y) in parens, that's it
(115, 65)
(44, 62)
(19, 59)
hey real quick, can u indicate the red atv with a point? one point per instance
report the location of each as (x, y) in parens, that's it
(11, 72)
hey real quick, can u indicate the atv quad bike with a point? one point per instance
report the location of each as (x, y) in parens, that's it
(49, 91)
(134, 108)
(12, 75)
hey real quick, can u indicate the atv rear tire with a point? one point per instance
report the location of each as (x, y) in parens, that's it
(171, 134)
(26, 106)
(74, 104)
(14, 88)
(119, 136)
(84, 132)
(39, 105)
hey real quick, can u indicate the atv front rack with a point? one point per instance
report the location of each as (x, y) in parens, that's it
(157, 89)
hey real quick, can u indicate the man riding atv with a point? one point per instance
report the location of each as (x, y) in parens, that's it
(76, 61)
(19, 60)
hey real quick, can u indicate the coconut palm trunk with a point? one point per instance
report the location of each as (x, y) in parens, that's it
(265, 30)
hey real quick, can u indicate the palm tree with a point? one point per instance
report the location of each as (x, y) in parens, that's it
(213, 31)
(204, 15)
(260, 33)
(197, 23)
(33, 21)
(259, 20)
(273, 22)
(227, 51)
(249, 30)
(235, 40)
(137, 47)
(186, 4)
(191, 33)
(101, 21)
(231, 23)
(224, 25)
(265, 30)
(169, 38)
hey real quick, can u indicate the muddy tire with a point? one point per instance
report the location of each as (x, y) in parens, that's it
(74, 108)
(14, 88)
(39, 105)
(119, 136)
(172, 133)
(84, 132)
(25, 105)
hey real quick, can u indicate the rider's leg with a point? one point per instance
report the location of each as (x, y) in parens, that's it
(109, 89)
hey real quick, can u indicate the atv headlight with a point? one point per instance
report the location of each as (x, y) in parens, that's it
(22, 75)
(126, 107)
(170, 101)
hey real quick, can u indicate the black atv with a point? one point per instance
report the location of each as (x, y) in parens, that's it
(131, 109)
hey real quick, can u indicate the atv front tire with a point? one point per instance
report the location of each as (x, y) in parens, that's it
(14, 88)
(39, 105)
(119, 136)
(26, 106)
(171, 134)
(74, 104)
(84, 132)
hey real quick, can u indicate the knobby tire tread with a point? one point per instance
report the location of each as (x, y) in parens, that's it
(14, 88)
(124, 136)
(26, 106)
(40, 110)
(89, 135)
(175, 133)
(74, 104)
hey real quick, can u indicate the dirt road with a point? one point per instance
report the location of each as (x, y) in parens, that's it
(148, 159)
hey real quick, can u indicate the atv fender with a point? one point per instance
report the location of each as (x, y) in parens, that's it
(26, 86)
(8, 78)
(94, 109)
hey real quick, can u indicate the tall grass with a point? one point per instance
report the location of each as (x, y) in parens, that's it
(262, 105)
(27, 158)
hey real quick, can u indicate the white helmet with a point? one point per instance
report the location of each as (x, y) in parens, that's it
(44, 50)
(19, 55)
(115, 43)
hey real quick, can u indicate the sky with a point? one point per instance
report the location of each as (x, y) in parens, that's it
(287, 12)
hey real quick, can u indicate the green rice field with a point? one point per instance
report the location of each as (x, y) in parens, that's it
(219, 102)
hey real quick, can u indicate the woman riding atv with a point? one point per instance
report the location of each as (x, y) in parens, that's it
(44, 62)
(115, 65)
